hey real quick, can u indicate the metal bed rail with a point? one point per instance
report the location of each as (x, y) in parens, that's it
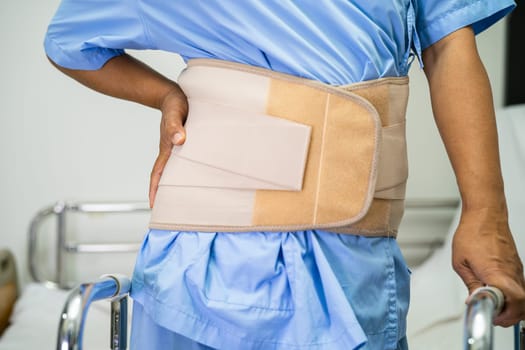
(61, 210)
(73, 317)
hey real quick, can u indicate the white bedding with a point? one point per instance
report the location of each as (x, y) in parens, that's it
(34, 323)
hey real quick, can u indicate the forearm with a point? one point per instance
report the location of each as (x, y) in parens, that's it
(127, 78)
(464, 113)
(483, 250)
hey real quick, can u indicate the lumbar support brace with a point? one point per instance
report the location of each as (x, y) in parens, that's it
(267, 151)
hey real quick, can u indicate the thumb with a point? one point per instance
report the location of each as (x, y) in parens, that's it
(179, 137)
(471, 281)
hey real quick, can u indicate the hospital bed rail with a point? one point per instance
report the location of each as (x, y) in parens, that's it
(71, 328)
(61, 210)
(114, 288)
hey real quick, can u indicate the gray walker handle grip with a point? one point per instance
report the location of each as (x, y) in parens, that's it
(484, 304)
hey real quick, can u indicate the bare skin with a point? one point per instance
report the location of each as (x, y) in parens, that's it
(484, 252)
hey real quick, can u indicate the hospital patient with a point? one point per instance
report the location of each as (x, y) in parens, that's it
(244, 254)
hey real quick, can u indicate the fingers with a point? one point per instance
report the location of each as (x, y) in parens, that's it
(514, 293)
(174, 109)
(172, 133)
(176, 136)
(506, 318)
(511, 285)
(514, 307)
(156, 173)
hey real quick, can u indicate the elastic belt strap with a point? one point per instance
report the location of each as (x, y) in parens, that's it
(267, 151)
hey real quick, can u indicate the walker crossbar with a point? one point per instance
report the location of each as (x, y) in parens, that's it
(111, 287)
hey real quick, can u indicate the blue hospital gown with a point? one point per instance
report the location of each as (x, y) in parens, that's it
(288, 290)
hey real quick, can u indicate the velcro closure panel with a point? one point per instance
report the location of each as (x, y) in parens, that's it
(232, 148)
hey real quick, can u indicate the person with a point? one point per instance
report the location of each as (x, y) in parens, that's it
(309, 288)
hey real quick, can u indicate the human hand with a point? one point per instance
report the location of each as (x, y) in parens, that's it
(174, 108)
(484, 253)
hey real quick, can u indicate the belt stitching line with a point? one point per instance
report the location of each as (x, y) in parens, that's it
(325, 123)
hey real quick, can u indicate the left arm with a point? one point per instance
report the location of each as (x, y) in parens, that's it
(484, 252)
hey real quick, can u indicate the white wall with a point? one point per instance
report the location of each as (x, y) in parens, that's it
(59, 140)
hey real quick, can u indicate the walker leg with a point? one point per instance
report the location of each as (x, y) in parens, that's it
(119, 323)
(519, 335)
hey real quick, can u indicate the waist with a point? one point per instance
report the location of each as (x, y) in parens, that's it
(267, 151)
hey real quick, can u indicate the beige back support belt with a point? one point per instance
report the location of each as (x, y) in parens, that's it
(267, 151)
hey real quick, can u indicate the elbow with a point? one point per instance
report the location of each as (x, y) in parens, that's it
(53, 63)
(67, 71)
(57, 66)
